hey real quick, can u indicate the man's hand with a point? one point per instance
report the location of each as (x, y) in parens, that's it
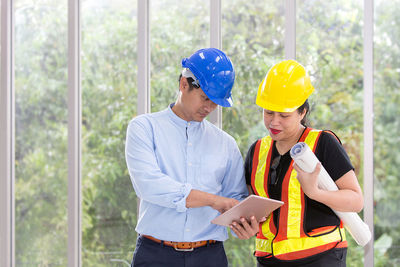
(223, 204)
(199, 198)
(244, 229)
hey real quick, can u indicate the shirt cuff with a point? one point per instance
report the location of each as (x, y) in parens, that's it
(181, 201)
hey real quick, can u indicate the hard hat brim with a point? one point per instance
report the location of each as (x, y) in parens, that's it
(277, 108)
(224, 102)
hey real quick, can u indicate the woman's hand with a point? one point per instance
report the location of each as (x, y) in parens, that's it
(244, 229)
(308, 181)
(347, 198)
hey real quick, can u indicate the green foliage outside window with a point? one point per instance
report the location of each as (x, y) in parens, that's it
(41, 135)
(109, 97)
(329, 44)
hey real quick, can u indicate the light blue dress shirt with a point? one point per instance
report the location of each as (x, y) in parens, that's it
(167, 157)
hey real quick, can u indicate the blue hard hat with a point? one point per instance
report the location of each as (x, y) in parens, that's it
(215, 73)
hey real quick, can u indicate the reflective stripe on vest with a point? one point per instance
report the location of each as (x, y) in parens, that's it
(290, 241)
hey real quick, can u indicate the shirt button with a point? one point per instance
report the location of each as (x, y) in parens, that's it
(190, 144)
(187, 229)
(190, 164)
(189, 123)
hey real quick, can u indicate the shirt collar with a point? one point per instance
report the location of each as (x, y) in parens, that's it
(179, 121)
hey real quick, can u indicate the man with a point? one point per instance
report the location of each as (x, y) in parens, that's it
(185, 170)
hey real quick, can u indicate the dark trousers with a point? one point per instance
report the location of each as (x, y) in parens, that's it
(332, 258)
(152, 254)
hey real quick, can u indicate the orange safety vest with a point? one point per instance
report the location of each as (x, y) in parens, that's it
(289, 241)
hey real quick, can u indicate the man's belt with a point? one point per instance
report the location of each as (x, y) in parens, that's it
(181, 246)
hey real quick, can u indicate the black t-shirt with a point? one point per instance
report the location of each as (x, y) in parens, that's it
(335, 161)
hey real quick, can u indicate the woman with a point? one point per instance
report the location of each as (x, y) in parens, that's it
(304, 231)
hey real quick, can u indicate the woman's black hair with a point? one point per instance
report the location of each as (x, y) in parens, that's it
(300, 110)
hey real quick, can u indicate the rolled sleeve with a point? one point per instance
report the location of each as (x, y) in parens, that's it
(180, 201)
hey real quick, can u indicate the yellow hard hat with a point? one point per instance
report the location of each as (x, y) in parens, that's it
(285, 88)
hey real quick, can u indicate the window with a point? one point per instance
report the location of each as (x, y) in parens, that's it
(109, 94)
(176, 32)
(253, 37)
(252, 52)
(330, 46)
(40, 133)
(329, 43)
(386, 133)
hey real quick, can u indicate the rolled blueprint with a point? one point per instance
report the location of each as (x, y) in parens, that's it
(307, 161)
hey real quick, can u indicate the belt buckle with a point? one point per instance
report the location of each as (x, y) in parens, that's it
(183, 249)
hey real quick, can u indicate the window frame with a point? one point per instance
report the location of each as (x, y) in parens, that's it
(7, 114)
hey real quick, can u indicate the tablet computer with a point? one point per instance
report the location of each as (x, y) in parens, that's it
(252, 205)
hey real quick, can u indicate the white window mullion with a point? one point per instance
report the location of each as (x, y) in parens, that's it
(368, 127)
(216, 41)
(143, 61)
(7, 134)
(143, 57)
(74, 136)
(290, 29)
